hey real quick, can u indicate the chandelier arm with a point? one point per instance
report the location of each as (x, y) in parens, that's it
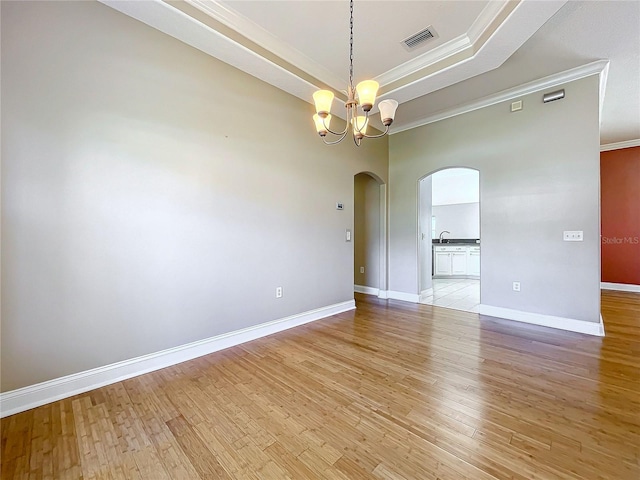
(336, 141)
(346, 128)
(355, 123)
(338, 133)
(378, 136)
(357, 141)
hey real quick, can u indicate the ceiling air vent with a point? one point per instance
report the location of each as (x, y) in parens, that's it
(418, 39)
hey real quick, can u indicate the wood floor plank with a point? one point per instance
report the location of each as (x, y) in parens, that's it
(203, 460)
(391, 391)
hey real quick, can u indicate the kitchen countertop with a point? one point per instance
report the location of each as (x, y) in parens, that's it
(456, 241)
(438, 245)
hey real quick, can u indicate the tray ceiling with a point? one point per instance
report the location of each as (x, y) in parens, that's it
(300, 46)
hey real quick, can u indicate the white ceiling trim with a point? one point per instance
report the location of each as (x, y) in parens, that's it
(595, 68)
(270, 42)
(448, 49)
(604, 75)
(521, 24)
(265, 39)
(485, 19)
(441, 52)
(619, 145)
(167, 19)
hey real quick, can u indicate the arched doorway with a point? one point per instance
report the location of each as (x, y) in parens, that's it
(449, 238)
(369, 235)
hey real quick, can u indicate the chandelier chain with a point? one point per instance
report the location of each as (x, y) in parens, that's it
(361, 98)
(351, 46)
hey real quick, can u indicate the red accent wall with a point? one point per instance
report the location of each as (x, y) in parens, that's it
(620, 215)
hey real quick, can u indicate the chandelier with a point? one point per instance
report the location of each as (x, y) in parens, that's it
(364, 95)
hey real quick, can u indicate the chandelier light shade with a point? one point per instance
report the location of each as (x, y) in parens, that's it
(387, 111)
(363, 95)
(322, 124)
(323, 100)
(367, 91)
(360, 124)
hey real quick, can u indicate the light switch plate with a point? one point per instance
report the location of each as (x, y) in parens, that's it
(348, 235)
(573, 236)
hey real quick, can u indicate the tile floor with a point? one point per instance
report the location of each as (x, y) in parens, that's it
(456, 293)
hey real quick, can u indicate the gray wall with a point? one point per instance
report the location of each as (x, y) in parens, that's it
(367, 231)
(153, 196)
(462, 220)
(539, 175)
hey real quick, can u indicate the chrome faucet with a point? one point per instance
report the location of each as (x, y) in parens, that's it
(442, 233)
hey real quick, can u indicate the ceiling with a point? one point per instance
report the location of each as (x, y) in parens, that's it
(481, 48)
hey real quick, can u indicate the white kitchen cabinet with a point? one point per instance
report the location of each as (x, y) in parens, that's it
(443, 261)
(473, 261)
(459, 261)
(452, 260)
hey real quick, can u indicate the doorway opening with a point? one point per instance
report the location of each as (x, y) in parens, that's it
(369, 235)
(449, 239)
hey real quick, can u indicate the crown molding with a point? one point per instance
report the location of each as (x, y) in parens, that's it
(604, 75)
(266, 40)
(599, 67)
(211, 27)
(618, 145)
(174, 22)
(461, 44)
(466, 44)
(270, 42)
(516, 25)
(488, 15)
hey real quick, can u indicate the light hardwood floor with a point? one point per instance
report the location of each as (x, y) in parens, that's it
(393, 390)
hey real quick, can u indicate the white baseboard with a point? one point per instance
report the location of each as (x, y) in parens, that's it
(382, 294)
(405, 297)
(562, 323)
(366, 290)
(22, 399)
(623, 287)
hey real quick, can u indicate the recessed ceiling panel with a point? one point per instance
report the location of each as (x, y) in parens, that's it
(320, 29)
(300, 46)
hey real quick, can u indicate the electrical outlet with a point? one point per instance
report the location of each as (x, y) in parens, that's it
(361, 269)
(573, 236)
(278, 292)
(516, 286)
